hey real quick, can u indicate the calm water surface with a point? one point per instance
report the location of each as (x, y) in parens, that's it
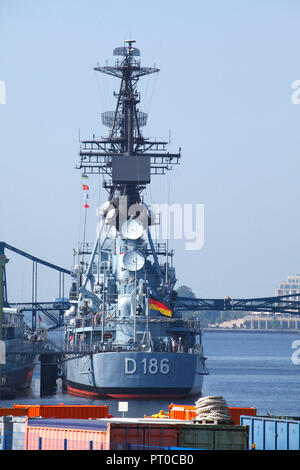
(246, 369)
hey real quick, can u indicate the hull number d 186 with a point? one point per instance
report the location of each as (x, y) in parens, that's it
(148, 366)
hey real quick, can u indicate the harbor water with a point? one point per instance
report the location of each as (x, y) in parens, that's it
(248, 369)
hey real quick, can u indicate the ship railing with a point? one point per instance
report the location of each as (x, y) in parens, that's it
(160, 248)
(85, 248)
(88, 348)
(32, 346)
(193, 323)
(83, 322)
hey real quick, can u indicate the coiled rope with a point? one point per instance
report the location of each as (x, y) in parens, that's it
(212, 408)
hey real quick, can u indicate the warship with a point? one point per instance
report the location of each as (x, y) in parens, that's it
(18, 355)
(123, 336)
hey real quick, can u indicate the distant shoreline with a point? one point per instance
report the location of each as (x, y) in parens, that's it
(249, 330)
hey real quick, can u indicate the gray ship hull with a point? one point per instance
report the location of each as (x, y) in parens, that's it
(134, 374)
(16, 374)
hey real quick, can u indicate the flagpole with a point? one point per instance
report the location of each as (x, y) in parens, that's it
(84, 229)
(85, 188)
(134, 324)
(147, 312)
(104, 302)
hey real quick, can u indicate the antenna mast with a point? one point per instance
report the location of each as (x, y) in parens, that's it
(125, 157)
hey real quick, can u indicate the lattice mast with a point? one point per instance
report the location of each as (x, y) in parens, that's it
(125, 157)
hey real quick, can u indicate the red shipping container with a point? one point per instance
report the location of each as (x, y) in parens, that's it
(142, 436)
(188, 412)
(13, 411)
(185, 412)
(236, 412)
(57, 434)
(32, 410)
(66, 411)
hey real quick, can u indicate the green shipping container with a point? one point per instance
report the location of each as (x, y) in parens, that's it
(214, 437)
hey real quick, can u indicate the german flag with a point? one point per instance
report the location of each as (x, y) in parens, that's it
(155, 304)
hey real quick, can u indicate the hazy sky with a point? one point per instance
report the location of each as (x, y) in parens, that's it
(224, 91)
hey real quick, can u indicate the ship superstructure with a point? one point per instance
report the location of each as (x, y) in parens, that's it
(122, 332)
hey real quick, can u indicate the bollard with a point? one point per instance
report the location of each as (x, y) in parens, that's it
(91, 445)
(40, 443)
(65, 444)
(49, 374)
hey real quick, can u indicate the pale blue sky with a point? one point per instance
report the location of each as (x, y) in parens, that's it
(224, 90)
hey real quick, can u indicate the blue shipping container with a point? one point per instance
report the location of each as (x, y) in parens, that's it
(266, 433)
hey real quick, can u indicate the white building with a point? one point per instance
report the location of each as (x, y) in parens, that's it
(289, 287)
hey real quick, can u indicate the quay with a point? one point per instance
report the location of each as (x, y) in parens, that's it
(91, 427)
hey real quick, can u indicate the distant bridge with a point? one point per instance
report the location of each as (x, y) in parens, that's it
(287, 304)
(34, 306)
(46, 308)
